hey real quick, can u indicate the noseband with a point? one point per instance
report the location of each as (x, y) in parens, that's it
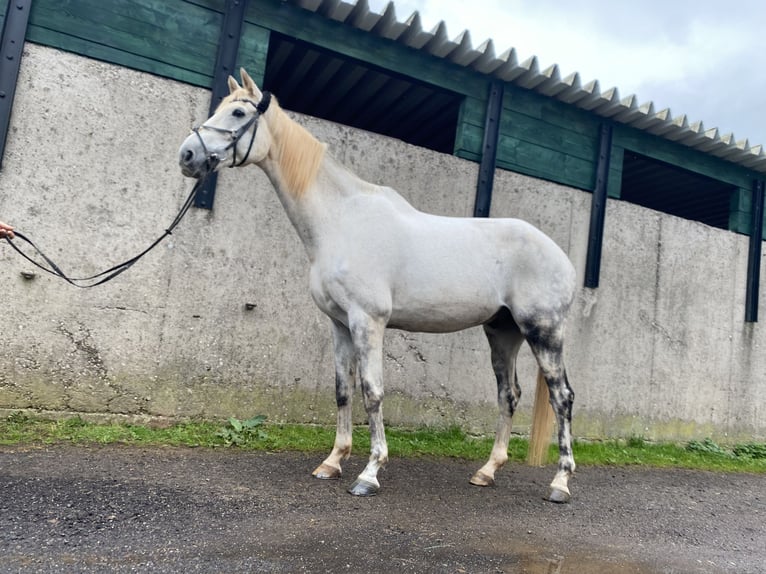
(212, 159)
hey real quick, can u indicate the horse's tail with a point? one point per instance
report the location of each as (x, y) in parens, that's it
(542, 424)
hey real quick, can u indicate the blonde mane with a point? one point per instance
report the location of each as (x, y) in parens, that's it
(297, 152)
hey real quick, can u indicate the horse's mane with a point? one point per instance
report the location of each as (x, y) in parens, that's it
(297, 152)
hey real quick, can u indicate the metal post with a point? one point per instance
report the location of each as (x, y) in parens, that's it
(598, 209)
(489, 151)
(11, 47)
(226, 60)
(754, 254)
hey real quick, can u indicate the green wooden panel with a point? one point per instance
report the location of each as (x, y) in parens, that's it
(470, 124)
(538, 137)
(542, 133)
(253, 51)
(551, 111)
(740, 223)
(474, 112)
(468, 155)
(173, 38)
(614, 184)
(461, 138)
(360, 45)
(531, 146)
(545, 122)
(174, 32)
(740, 206)
(115, 56)
(469, 140)
(741, 200)
(545, 163)
(740, 213)
(549, 152)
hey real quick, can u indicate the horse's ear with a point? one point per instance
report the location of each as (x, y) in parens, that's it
(233, 85)
(249, 84)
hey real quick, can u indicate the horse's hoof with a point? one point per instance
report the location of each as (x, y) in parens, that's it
(326, 472)
(481, 479)
(363, 488)
(558, 496)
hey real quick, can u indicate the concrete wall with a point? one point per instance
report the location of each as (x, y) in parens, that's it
(659, 350)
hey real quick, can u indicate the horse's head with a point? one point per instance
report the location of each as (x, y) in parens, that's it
(233, 135)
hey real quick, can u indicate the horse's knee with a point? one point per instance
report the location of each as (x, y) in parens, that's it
(373, 396)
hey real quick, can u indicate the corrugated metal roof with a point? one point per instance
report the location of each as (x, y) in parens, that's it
(570, 89)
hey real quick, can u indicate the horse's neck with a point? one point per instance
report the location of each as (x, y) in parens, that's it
(310, 183)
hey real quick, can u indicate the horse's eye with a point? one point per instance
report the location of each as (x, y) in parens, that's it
(238, 113)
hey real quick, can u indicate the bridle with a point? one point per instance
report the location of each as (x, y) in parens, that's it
(212, 159)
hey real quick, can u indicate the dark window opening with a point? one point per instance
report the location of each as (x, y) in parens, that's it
(310, 80)
(670, 189)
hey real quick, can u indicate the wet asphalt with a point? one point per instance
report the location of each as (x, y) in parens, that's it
(128, 509)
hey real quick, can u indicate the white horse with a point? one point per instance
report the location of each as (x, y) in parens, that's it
(378, 262)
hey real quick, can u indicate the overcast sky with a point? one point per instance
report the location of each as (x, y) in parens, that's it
(702, 58)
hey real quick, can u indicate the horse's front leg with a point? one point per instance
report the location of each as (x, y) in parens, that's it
(345, 374)
(367, 335)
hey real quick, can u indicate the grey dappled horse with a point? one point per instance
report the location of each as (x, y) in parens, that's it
(377, 262)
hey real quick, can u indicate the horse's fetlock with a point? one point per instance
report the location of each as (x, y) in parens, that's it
(343, 451)
(499, 460)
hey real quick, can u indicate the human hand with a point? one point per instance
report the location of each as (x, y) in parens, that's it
(6, 230)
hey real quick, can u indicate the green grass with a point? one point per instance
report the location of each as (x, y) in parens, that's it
(669, 455)
(20, 430)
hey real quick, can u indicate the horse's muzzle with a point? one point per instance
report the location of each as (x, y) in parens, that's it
(189, 160)
(194, 161)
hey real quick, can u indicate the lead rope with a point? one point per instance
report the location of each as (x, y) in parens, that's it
(112, 272)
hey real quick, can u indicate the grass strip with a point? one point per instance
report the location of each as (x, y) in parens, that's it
(20, 429)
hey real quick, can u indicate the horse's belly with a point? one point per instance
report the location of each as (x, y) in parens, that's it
(442, 318)
(445, 290)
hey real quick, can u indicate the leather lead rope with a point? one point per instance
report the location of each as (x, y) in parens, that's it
(112, 272)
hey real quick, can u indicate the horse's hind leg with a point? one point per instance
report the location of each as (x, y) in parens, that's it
(505, 339)
(345, 373)
(547, 345)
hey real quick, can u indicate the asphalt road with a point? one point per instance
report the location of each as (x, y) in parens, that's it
(127, 509)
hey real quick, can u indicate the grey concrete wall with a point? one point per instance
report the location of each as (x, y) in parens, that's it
(660, 349)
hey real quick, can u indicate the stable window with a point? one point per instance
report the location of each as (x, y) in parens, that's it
(324, 84)
(676, 191)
